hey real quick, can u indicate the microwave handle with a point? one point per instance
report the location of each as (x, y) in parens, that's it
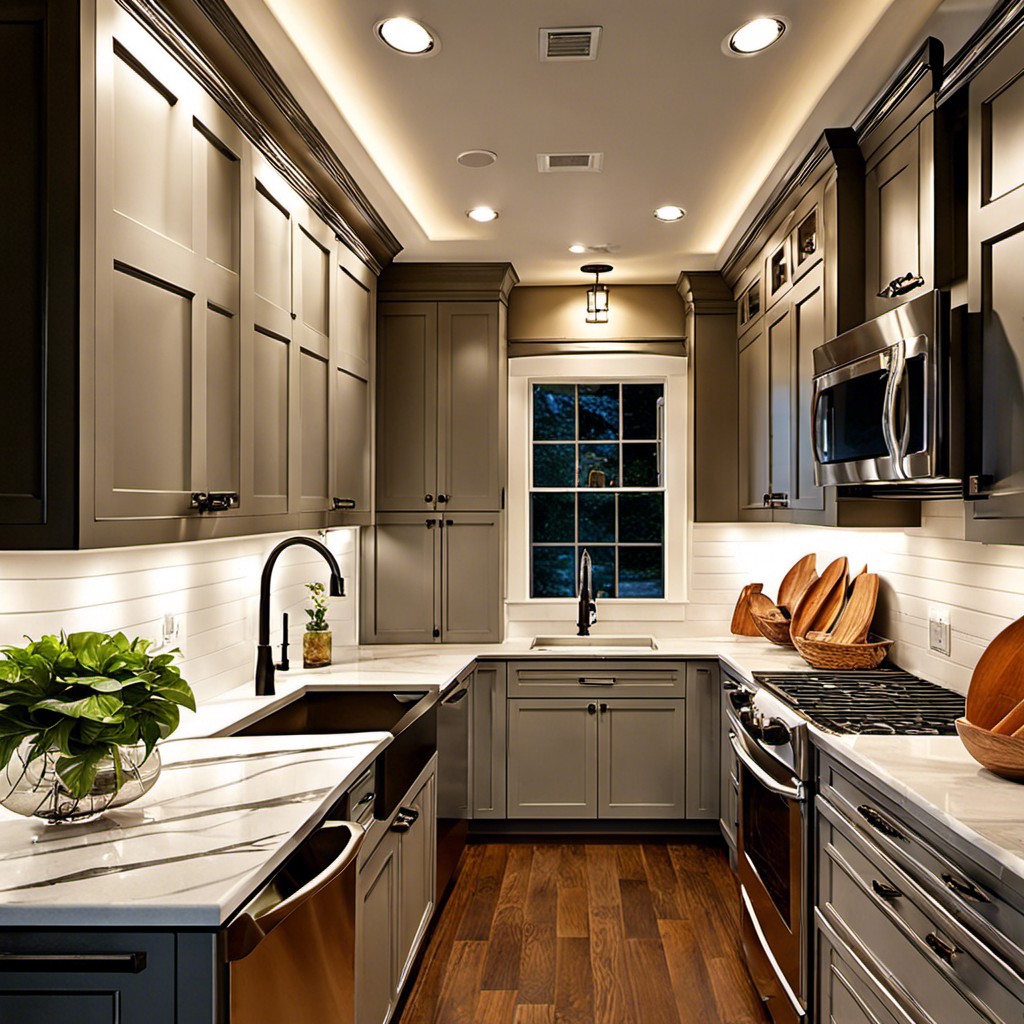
(897, 362)
(815, 401)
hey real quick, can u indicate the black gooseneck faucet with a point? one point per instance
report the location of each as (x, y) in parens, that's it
(587, 614)
(264, 653)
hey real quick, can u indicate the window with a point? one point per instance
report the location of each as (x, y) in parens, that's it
(597, 483)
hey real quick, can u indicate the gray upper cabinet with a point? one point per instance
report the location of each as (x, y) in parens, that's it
(471, 579)
(996, 218)
(754, 424)
(209, 276)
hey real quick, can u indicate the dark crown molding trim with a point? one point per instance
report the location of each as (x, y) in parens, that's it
(168, 30)
(1005, 21)
(707, 291)
(457, 282)
(834, 142)
(926, 62)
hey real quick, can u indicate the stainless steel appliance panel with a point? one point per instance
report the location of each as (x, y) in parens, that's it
(454, 794)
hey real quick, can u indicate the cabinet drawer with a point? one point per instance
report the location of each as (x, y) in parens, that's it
(924, 955)
(596, 676)
(962, 889)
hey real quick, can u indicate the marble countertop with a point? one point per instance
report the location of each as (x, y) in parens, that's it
(224, 814)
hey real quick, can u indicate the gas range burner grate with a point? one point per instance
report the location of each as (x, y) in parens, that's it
(885, 702)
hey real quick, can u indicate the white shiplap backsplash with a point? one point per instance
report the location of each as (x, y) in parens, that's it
(981, 585)
(212, 586)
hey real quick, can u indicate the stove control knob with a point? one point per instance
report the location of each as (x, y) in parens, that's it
(775, 733)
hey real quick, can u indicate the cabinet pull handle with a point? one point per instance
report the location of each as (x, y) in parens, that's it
(965, 890)
(431, 523)
(343, 504)
(214, 501)
(449, 522)
(880, 823)
(597, 680)
(106, 963)
(366, 798)
(591, 709)
(603, 706)
(941, 948)
(901, 285)
(456, 698)
(404, 820)
(886, 891)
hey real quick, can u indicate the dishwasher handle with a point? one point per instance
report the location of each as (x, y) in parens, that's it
(257, 920)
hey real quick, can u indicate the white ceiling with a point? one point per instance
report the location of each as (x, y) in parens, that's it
(677, 120)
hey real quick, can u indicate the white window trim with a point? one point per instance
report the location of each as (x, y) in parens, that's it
(601, 368)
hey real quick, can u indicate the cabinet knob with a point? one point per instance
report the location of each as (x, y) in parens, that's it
(591, 709)
(442, 498)
(429, 498)
(214, 501)
(603, 706)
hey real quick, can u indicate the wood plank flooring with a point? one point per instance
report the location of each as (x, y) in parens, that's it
(601, 933)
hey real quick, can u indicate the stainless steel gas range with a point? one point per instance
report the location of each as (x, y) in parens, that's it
(768, 729)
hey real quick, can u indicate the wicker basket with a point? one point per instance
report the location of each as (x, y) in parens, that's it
(821, 654)
(774, 629)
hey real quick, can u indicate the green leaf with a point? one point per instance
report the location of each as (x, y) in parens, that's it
(102, 707)
(102, 684)
(78, 773)
(166, 716)
(179, 692)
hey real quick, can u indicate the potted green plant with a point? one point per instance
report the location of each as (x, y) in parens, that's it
(316, 641)
(80, 718)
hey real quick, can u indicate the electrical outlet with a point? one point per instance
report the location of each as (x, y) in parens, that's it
(172, 634)
(938, 630)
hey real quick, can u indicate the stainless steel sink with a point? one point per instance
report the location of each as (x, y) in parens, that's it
(552, 643)
(409, 715)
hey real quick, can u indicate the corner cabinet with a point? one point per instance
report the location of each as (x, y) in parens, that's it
(441, 444)
(224, 333)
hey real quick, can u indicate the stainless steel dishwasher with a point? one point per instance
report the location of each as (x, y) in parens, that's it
(291, 949)
(453, 779)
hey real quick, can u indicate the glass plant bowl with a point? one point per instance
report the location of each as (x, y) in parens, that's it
(34, 789)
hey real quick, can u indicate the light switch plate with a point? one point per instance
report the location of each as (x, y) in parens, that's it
(938, 630)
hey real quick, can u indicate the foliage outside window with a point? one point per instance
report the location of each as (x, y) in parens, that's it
(597, 483)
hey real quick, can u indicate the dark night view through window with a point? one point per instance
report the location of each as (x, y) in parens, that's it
(597, 484)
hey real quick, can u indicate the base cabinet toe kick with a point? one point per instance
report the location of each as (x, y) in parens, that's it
(906, 930)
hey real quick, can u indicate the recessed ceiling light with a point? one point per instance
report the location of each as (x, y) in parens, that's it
(482, 214)
(669, 214)
(577, 248)
(477, 158)
(754, 36)
(406, 36)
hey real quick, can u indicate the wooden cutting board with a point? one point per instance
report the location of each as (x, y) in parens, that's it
(997, 685)
(821, 604)
(854, 623)
(742, 623)
(763, 605)
(795, 583)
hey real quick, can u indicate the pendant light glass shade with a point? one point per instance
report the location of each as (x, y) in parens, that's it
(597, 293)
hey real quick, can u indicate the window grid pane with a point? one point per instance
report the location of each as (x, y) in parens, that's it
(631, 463)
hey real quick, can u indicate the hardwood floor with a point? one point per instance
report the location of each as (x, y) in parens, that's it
(639, 933)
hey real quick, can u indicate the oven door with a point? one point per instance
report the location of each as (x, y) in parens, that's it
(772, 852)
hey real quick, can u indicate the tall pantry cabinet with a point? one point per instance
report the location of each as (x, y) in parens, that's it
(433, 563)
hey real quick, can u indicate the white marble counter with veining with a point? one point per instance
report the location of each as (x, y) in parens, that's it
(224, 814)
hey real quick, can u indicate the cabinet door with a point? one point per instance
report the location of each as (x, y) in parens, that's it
(807, 332)
(779, 331)
(729, 783)
(552, 759)
(755, 429)
(406, 405)
(641, 759)
(109, 978)
(401, 579)
(488, 739)
(996, 219)
(472, 583)
(418, 849)
(472, 399)
(351, 452)
(377, 930)
(702, 740)
(895, 223)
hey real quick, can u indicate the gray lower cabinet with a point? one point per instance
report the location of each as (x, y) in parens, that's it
(432, 577)
(848, 993)
(595, 758)
(488, 742)
(729, 798)
(395, 895)
(702, 726)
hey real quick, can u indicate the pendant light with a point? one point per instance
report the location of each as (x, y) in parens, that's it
(597, 293)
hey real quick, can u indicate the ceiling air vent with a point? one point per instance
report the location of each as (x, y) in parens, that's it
(570, 43)
(548, 163)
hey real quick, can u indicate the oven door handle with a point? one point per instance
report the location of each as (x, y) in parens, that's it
(896, 443)
(773, 785)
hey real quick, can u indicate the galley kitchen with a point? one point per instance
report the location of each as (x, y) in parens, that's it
(512, 513)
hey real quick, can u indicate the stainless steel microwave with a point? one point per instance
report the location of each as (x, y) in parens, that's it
(886, 406)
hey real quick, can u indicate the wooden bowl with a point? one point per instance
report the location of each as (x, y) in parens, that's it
(1001, 755)
(824, 654)
(774, 628)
